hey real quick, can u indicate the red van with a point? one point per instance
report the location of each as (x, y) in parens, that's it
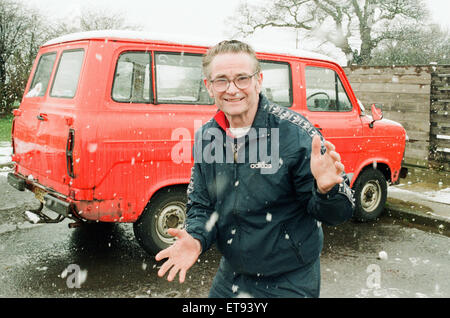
(106, 125)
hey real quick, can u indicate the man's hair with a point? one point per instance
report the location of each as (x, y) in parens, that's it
(231, 46)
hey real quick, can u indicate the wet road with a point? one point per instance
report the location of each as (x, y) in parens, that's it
(41, 260)
(35, 262)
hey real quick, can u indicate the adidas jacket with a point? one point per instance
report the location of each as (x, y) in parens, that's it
(255, 196)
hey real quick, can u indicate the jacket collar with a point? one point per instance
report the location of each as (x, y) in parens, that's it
(260, 120)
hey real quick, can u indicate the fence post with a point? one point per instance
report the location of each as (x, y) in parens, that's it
(440, 123)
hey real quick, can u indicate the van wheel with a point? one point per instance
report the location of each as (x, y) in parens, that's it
(370, 195)
(167, 209)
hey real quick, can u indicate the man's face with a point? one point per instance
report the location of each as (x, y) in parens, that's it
(234, 101)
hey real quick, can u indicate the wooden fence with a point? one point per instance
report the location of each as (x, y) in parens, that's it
(440, 124)
(418, 98)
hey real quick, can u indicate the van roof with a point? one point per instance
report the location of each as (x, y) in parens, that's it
(179, 39)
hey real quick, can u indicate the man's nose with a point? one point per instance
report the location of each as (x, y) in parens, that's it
(232, 88)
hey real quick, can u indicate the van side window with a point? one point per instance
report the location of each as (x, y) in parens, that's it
(66, 79)
(42, 75)
(324, 91)
(179, 79)
(277, 82)
(132, 78)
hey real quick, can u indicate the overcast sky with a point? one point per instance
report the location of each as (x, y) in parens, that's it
(191, 17)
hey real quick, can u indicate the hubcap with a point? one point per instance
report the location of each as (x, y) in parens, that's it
(171, 216)
(371, 196)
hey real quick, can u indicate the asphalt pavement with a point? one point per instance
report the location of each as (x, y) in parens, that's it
(423, 197)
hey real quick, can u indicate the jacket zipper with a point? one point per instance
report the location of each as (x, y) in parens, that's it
(236, 184)
(292, 243)
(235, 149)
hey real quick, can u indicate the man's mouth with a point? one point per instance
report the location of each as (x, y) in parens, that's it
(234, 100)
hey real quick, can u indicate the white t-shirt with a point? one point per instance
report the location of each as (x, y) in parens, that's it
(240, 131)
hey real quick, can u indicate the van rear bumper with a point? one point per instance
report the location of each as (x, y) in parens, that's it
(114, 210)
(16, 182)
(51, 202)
(57, 205)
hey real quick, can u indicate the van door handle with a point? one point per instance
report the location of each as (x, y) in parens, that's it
(42, 116)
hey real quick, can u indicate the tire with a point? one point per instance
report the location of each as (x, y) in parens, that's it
(370, 195)
(167, 209)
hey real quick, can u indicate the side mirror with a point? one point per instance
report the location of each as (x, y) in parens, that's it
(377, 114)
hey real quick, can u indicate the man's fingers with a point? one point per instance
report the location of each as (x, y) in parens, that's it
(339, 166)
(176, 232)
(329, 146)
(182, 275)
(165, 267)
(336, 156)
(315, 146)
(173, 272)
(162, 255)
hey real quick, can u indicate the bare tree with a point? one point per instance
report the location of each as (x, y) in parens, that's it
(335, 21)
(103, 20)
(422, 45)
(20, 35)
(91, 19)
(23, 30)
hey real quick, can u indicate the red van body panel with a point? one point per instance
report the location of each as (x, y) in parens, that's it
(41, 131)
(108, 159)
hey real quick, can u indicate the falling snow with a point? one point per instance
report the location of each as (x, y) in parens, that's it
(92, 147)
(382, 255)
(212, 221)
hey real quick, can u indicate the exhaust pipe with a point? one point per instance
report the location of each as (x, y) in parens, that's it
(75, 225)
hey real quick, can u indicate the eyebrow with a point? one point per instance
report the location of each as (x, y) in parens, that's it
(224, 76)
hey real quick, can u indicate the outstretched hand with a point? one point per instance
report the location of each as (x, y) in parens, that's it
(180, 256)
(326, 168)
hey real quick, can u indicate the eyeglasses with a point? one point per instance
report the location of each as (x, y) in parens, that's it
(220, 85)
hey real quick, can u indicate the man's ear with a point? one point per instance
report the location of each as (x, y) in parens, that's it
(208, 87)
(259, 80)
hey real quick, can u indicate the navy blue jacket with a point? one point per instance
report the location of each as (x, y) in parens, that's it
(255, 196)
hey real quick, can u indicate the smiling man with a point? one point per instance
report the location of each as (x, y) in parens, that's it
(266, 225)
(237, 98)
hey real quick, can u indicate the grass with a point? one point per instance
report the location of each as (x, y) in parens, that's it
(5, 127)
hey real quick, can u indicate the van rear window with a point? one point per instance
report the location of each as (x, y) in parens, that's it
(66, 79)
(42, 75)
(132, 78)
(179, 79)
